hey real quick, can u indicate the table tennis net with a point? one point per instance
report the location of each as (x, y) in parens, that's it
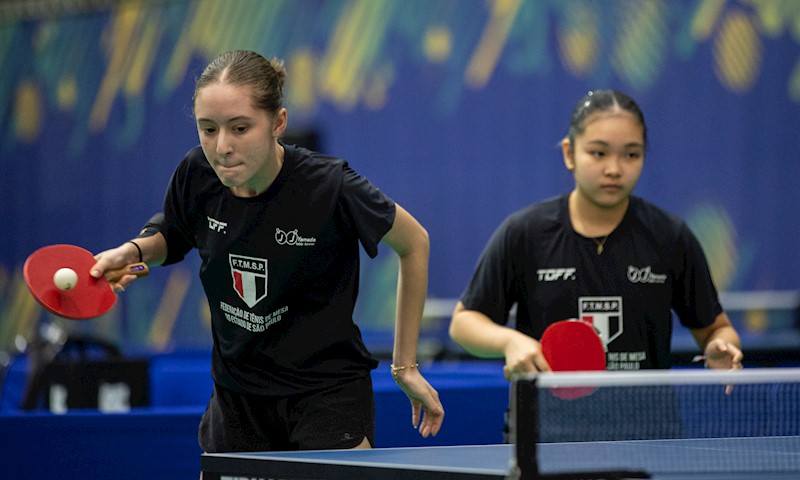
(676, 421)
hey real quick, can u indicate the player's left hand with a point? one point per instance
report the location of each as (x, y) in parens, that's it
(723, 355)
(427, 412)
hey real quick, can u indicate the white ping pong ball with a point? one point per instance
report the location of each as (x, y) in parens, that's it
(65, 278)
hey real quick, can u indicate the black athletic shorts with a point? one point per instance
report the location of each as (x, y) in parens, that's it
(338, 417)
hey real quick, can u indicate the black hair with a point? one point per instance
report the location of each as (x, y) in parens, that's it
(600, 101)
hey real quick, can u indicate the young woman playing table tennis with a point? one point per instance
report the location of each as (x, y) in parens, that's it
(278, 230)
(597, 253)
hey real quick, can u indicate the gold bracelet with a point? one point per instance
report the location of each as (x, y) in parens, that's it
(396, 369)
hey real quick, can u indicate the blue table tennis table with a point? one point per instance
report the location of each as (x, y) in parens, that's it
(745, 458)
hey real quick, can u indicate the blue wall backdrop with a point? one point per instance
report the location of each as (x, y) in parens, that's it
(453, 107)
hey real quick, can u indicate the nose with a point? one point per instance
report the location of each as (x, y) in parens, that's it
(613, 167)
(224, 145)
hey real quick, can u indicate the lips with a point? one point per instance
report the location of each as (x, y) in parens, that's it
(228, 166)
(227, 173)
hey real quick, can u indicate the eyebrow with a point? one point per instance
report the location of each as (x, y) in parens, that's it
(240, 118)
(606, 144)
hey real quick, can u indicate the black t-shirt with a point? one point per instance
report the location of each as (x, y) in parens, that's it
(651, 265)
(280, 270)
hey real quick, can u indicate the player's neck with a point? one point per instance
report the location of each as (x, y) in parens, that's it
(592, 220)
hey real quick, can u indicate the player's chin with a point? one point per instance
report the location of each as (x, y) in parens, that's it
(228, 178)
(611, 198)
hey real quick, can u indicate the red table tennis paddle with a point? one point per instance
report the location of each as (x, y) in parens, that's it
(88, 297)
(570, 346)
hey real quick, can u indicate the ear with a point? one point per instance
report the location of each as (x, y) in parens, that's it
(280, 123)
(568, 153)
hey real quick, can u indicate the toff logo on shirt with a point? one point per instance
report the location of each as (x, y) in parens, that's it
(215, 225)
(249, 278)
(605, 313)
(555, 274)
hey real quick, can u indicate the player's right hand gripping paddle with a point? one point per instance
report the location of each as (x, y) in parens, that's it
(570, 346)
(58, 278)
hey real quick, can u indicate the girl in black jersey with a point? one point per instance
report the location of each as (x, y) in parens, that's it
(278, 229)
(596, 253)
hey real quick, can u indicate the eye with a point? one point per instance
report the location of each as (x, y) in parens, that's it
(207, 130)
(240, 129)
(597, 153)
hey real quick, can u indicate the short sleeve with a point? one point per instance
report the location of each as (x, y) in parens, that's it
(695, 299)
(370, 210)
(491, 290)
(176, 227)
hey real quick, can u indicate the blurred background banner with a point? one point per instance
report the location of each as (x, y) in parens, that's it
(455, 108)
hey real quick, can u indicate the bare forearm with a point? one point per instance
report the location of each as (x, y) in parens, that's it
(154, 248)
(411, 243)
(726, 334)
(478, 334)
(721, 329)
(720, 344)
(412, 288)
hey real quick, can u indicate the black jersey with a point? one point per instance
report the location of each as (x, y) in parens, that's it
(651, 265)
(280, 270)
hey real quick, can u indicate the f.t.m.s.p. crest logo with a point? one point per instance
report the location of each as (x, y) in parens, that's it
(605, 314)
(249, 278)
